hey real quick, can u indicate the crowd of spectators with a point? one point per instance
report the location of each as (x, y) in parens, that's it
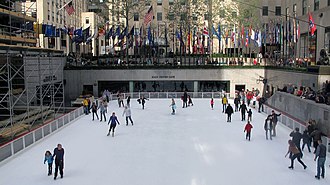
(321, 96)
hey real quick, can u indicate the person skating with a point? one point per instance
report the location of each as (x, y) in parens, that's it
(268, 127)
(190, 103)
(224, 102)
(102, 111)
(316, 135)
(94, 111)
(128, 101)
(248, 127)
(320, 155)
(296, 138)
(229, 112)
(243, 109)
(113, 120)
(306, 141)
(261, 102)
(274, 120)
(49, 159)
(59, 160)
(236, 102)
(143, 101)
(173, 106)
(295, 154)
(249, 115)
(128, 113)
(212, 103)
(85, 104)
(185, 99)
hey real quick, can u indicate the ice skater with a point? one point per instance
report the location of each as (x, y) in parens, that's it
(243, 109)
(296, 138)
(94, 111)
(293, 150)
(127, 112)
(49, 158)
(306, 141)
(185, 100)
(236, 103)
(59, 160)
(229, 112)
(128, 101)
(249, 115)
(142, 101)
(173, 106)
(268, 127)
(102, 111)
(113, 120)
(212, 103)
(224, 103)
(190, 101)
(320, 155)
(274, 120)
(248, 127)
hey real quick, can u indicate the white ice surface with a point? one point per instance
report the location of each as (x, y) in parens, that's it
(194, 147)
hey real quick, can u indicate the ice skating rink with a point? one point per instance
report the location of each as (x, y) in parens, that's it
(194, 147)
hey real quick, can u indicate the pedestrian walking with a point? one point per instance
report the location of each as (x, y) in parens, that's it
(320, 156)
(173, 106)
(59, 160)
(306, 141)
(212, 103)
(268, 127)
(224, 102)
(128, 113)
(248, 127)
(49, 159)
(294, 154)
(229, 112)
(243, 110)
(249, 115)
(274, 120)
(94, 111)
(113, 120)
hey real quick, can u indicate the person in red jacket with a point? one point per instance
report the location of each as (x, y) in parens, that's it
(248, 128)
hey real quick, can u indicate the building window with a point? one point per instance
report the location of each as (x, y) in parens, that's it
(183, 16)
(171, 2)
(136, 16)
(316, 5)
(278, 11)
(183, 2)
(195, 17)
(159, 16)
(87, 20)
(159, 2)
(304, 7)
(328, 2)
(171, 16)
(265, 11)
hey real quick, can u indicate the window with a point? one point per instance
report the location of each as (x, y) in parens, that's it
(265, 11)
(304, 7)
(278, 11)
(159, 16)
(328, 2)
(170, 2)
(316, 5)
(183, 17)
(183, 2)
(136, 16)
(159, 2)
(87, 20)
(171, 16)
(194, 17)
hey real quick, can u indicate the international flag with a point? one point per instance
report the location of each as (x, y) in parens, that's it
(298, 31)
(312, 26)
(149, 16)
(69, 8)
(205, 32)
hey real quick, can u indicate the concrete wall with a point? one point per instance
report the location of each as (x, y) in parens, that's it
(75, 79)
(302, 109)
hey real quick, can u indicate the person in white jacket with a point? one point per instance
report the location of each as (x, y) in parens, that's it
(127, 112)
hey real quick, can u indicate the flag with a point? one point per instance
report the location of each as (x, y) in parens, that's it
(219, 32)
(312, 26)
(101, 31)
(216, 33)
(149, 16)
(259, 39)
(110, 33)
(123, 34)
(85, 34)
(149, 35)
(298, 31)
(48, 30)
(117, 33)
(37, 28)
(205, 31)
(69, 8)
(247, 38)
(78, 32)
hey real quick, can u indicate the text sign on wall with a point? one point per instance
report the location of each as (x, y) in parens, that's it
(162, 77)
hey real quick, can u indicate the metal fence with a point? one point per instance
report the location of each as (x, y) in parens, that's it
(17, 145)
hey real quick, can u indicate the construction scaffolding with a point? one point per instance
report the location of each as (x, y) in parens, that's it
(31, 88)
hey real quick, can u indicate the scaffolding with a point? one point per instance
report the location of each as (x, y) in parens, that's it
(31, 88)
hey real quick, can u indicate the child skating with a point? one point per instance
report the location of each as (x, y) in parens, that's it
(212, 103)
(113, 120)
(173, 106)
(49, 158)
(247, 129)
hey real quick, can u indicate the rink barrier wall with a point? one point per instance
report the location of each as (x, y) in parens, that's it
(12, 148)
(293, 123)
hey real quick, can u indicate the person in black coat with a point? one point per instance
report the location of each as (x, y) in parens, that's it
(261, 102)
(236, 102)
(306, 141)
(59, 160)
(316, 135)
(296, 138)
(243, 110)
(94, 111)
(143, 101)
(268, 127)
(185, 99)
(274, 119)
(229, 112)
(128, 101)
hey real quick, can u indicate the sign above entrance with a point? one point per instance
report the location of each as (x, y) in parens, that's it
(162, 76)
